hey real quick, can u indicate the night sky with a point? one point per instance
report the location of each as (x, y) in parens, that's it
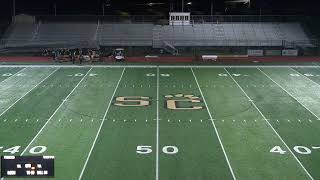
(131, 7)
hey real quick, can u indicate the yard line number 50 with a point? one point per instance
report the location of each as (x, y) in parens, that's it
(165, 149)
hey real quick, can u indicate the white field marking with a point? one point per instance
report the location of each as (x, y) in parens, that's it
(52, 116)
(157, 136)
(12, 75)
(306, 77)
(35, 137)
(214, 126)
(167, 66)
(295, 157)
(28, 92)
(102, 122)
(289, 93)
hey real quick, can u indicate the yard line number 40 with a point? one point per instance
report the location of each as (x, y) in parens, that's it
(16, 149)
(298, 149)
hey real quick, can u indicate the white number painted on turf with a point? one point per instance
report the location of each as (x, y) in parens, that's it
(170, 149)
(12, 150)
(148, 149)
(76, 75)
(306, 74)
(79, 75)
(277, 149)
(7, 74)
(309, 75)
(223, 75)
(21, 74)
(235, 75)
(295, 75)
(144, 149)
(38, 149)
(92, 75)
(298, 149)
(153, 75)
(150, 75)
(16, 149)
(302, 150)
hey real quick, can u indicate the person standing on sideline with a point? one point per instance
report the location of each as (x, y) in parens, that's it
(73, 55)
(81, 56)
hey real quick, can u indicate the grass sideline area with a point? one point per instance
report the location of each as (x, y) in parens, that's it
(182, 122)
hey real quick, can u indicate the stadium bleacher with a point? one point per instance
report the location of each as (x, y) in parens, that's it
(233, 34)
(147, 34)
(128, 34)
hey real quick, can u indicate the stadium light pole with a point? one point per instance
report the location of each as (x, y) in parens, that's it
(55, 8)
(182, 5)
(14, 11)
(103, 9)
(211, 7)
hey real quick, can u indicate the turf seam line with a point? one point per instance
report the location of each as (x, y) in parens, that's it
(289, 93)
(55, 112)
(13, 75)
(214, 126)
(285, 144)
(157, 136)
(102, 122)
(28, 92)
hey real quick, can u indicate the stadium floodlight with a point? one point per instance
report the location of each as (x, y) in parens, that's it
(151, 4)
(248, 2)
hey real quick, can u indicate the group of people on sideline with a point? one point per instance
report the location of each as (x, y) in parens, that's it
(73, 55)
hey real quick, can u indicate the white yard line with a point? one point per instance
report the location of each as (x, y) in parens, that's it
(39, 132)
(214, 126)
(12, 75)
(167, 66)
(55, 112)
(157, 145)
(289, 93)
(24, 94)
(102, 122)
(28, 92)
(256, 107)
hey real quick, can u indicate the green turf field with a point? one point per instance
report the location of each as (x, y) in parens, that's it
(164, 123)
